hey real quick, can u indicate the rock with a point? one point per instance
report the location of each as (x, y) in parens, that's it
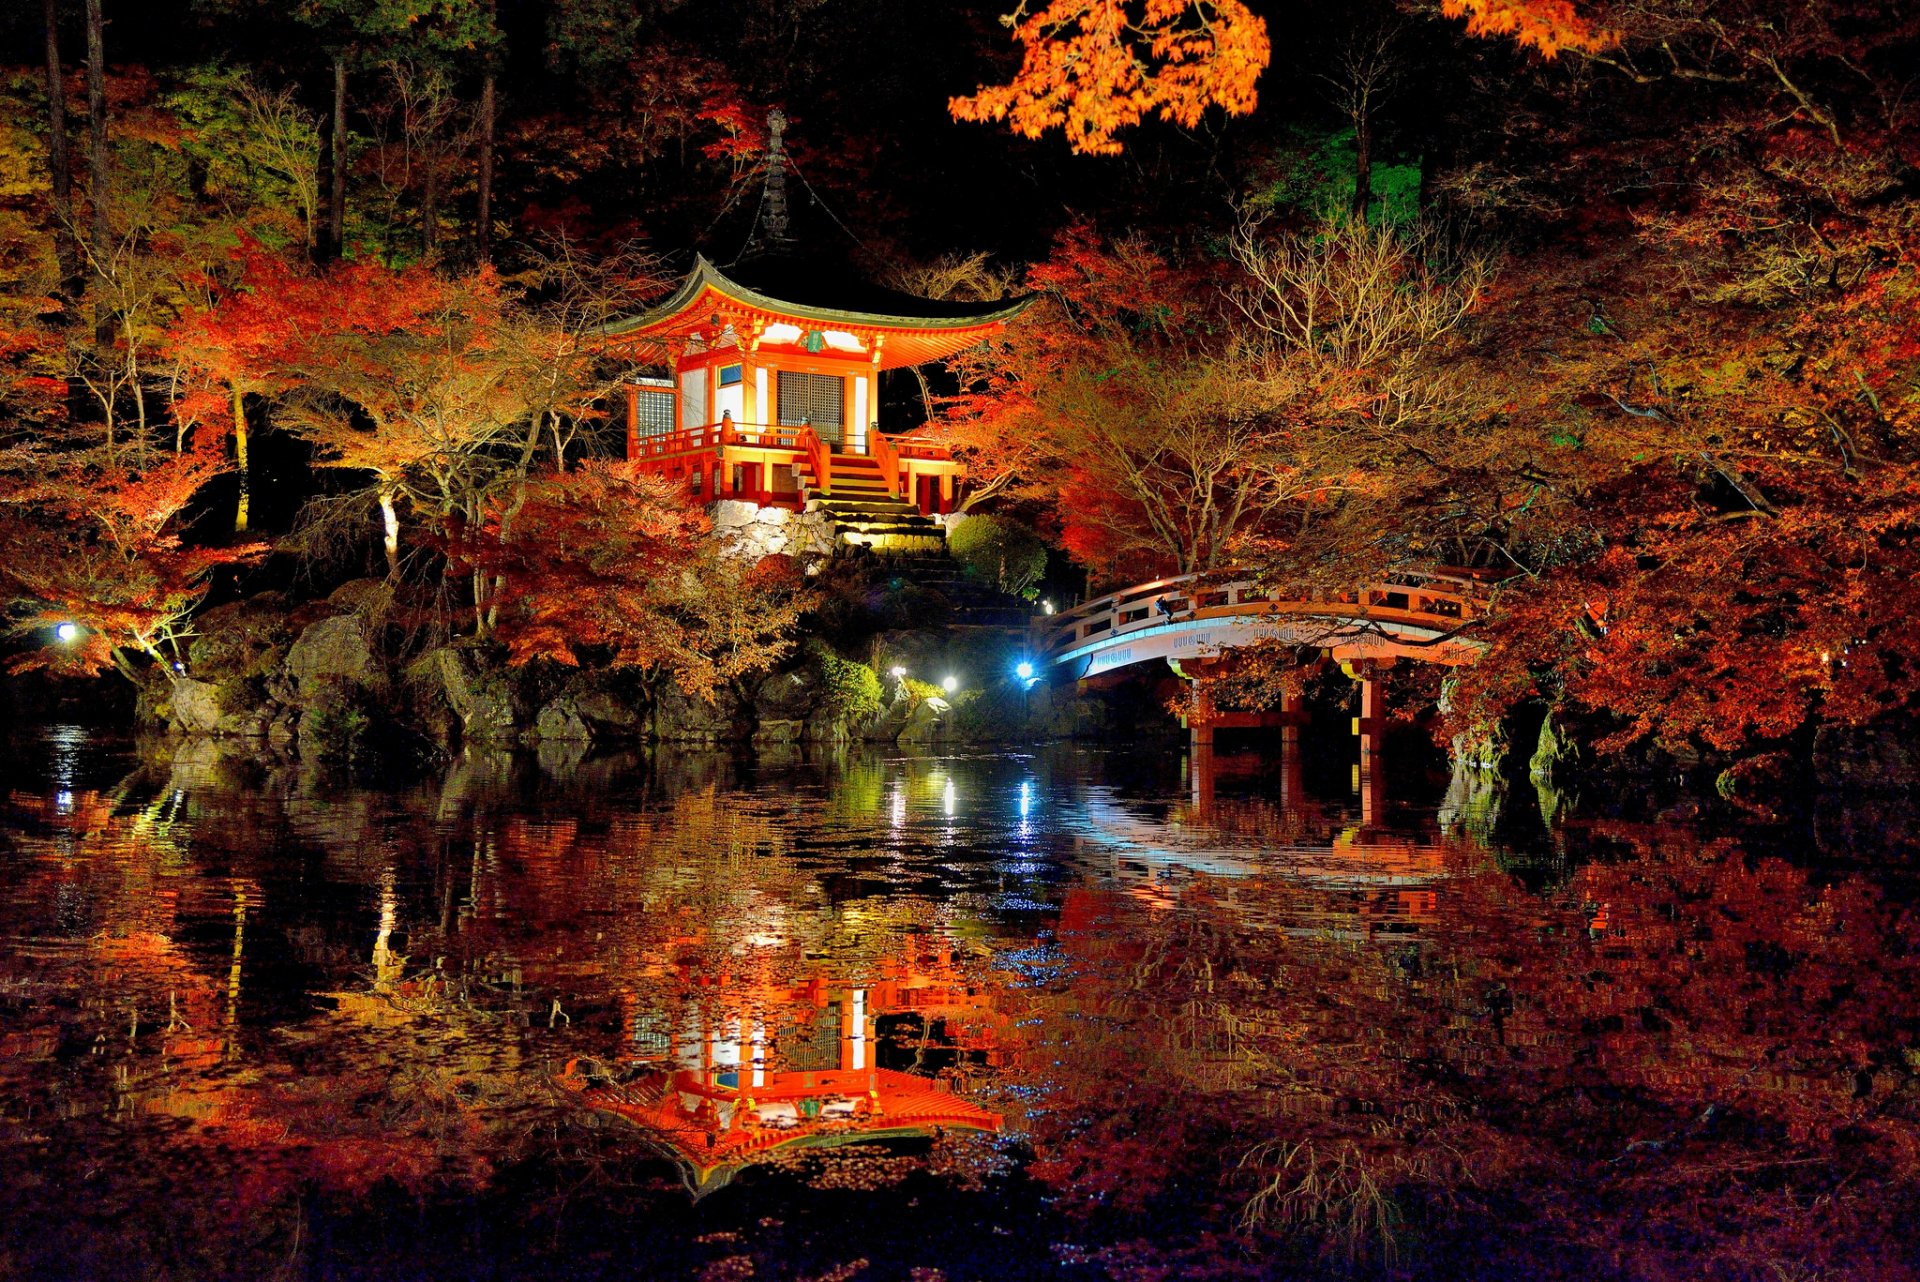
(336, 649)
(368, 598)
(683, 718)
(561, 721)
(1475, 795)
(240, 639)
(1557, 755)
(1758, 783)
(219, 708)
(478, 695)
(336, 724)
(196, 706)
(778, 731)
(787, 695)
(811, 534)
(926, 721)
(608, 715)
(886, 724)
(560, 759)
(729, 514)
(771, 515)
(827, 725)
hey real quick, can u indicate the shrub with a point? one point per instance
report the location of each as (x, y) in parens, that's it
(1000, 551)
(848, 690)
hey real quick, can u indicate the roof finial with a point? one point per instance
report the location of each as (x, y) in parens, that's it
(771, 233)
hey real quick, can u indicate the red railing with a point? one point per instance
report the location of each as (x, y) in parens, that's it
(691, 440)
(1438, 601)
(888, 458)
(818, 457)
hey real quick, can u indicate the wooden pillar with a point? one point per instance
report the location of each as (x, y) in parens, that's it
(1292, 784)
(1200, 776)
(1369, 775)
(633, 422)
(1200, 717)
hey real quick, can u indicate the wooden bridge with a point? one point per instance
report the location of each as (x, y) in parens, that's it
(1195, 622)
(1411, 616)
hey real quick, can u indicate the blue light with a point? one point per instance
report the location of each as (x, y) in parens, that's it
(68, 632)
(1025, 670)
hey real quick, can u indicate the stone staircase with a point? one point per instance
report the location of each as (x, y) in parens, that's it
(908, 546)
(865, 515)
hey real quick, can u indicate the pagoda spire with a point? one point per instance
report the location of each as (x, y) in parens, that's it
(771, 233)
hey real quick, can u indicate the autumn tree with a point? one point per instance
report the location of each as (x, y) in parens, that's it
(410, 378)
(93, 535)
(1091, 68)
(611, 564)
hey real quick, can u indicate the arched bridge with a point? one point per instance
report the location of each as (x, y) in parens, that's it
(1412, 616)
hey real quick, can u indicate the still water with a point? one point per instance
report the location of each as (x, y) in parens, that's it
(1079, 1014)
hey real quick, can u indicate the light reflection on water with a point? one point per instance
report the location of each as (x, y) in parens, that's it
(1015, 1014)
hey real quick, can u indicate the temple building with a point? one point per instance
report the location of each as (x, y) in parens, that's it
(771, 386)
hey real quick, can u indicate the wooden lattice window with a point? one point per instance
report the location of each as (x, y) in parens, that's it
(654, 412)
(818, 399)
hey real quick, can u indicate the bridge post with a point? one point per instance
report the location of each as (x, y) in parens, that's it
(1200, 777)
(1200, 717)
(1369, 777)
(1292, 782)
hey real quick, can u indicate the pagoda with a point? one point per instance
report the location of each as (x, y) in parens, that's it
(771, 386)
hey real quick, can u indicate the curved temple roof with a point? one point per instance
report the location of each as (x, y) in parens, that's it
(911, 330)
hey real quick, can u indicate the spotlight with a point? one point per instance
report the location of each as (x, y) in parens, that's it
(950, 684)
(1024, 671)
(68, 632)
(896, 672)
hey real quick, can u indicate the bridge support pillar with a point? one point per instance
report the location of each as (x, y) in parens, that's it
(1369, 775)
(1200, 778)
(1200, 717)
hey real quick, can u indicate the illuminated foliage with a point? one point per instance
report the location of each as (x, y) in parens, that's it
(1091, 68)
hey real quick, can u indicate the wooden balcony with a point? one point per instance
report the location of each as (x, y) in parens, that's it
(783, 465)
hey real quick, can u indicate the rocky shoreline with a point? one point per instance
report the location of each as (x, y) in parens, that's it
(319, 681)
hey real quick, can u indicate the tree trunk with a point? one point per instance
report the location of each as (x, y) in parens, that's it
(430, 210)
(337, 193)
(1362, 162)
(66, 249)
(101, 194)
(484, 241)
(390, 523)
(240, 511)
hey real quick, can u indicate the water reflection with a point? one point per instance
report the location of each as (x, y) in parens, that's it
(742, 1064)
(1124, 1015)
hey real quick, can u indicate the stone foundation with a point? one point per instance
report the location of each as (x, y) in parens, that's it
(749, 531)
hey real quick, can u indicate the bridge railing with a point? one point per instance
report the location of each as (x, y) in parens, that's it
(1440, 601)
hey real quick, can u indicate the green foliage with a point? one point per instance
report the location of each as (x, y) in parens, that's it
(249, 149)
(1000, 551)
(849, 690)
(920, 691)
(337, 727)
(1317, 177)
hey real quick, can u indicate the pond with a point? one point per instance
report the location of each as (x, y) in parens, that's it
(1071, 1013)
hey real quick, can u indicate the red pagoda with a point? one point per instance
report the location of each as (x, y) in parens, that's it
(771, 393)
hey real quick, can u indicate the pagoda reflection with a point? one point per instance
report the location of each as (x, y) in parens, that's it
(742, 1064)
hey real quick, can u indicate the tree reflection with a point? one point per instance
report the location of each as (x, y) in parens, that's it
(1202, 1019)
